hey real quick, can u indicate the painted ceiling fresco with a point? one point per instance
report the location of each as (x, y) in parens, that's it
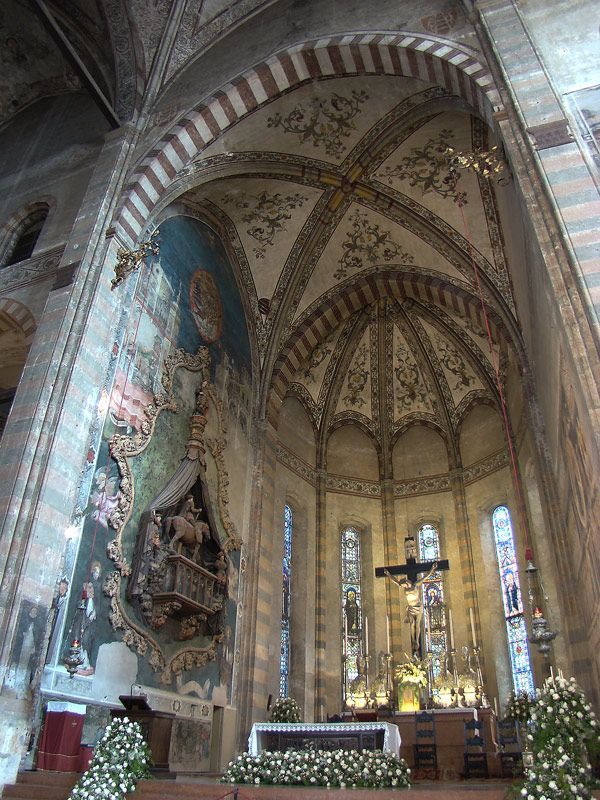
(348, 180)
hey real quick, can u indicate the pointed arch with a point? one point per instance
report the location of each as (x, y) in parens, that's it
(457, 68)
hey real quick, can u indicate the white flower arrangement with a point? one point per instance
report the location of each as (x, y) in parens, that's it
(121, 758)
(372, 769)
(561, 723)
(519, 707)
(412, 672)
(286, 709)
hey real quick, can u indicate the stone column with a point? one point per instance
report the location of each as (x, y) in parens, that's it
(46, 439)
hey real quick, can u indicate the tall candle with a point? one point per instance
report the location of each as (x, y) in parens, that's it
(366, 636)
(346, 636)
(387, 630)
(496, 705)
(450, 625)
(472, 627)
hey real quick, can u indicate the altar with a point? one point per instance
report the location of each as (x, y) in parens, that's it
(324, 736)
(450, 738)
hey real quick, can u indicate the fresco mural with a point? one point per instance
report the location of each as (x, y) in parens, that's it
(180, 599)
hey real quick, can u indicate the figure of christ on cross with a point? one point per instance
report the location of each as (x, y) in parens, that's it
(411, 584)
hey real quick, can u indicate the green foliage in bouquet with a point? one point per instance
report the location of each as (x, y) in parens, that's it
(286, 709)
(121, 758)
(519, 707)
(562, 722)
(344, 768)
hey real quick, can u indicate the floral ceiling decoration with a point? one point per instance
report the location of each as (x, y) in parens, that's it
(411, 390)
(267, 216)
(429, 167)
(358, 376)
(367, 244)
(325, 122)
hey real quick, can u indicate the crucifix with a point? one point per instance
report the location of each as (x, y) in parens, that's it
(411, 584)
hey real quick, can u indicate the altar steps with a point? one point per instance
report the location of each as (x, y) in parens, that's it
(196, 790)
(40, 785)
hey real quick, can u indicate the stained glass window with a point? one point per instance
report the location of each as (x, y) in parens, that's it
(284, 663)
(512, 601)
(433, 599)
(352, 619)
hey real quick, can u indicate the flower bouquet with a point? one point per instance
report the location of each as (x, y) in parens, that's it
(412, 672)
(519, 707)
(121, 758)
(344, 768)
(562, 721)
(286, 709)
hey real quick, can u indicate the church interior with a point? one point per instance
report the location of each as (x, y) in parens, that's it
(299, 375)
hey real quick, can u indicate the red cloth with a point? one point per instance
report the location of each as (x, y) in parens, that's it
(60, 743)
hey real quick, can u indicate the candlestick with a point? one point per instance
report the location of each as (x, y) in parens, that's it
(387, 630)
(472, 627)
(451, 629)
(366, 635)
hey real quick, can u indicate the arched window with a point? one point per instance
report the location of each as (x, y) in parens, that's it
(352, 618)
(433, 599)
(284, 668)
(24, 236)
(512, 601)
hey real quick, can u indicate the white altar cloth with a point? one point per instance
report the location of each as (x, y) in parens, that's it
(391, 733)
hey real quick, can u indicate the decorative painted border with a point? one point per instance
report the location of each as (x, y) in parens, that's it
(365, 488)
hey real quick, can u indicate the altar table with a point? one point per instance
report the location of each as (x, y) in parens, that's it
(324, 736)
(450, 737)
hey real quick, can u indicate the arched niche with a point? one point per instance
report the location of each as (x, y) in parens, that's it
(295, 430)
(481, 434)
(419, 451)
(351, 452)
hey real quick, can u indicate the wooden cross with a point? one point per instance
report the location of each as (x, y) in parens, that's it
(412, 569)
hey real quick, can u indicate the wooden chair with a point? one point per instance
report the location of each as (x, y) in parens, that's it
(476, 765)
(425, 749)
(511, 754)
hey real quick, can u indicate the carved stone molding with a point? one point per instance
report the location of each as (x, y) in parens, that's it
(339, 483)
(122, 449)
(430, 485)
(485, 467)
(296, 464)
(34, 270)
(551, 134)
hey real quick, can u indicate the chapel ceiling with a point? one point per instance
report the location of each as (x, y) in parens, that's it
(347, 181)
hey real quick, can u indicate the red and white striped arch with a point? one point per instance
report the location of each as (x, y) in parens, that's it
(459, 70)
(327, 315)
(20, 316)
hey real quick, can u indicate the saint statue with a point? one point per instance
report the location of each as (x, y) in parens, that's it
(414, 605)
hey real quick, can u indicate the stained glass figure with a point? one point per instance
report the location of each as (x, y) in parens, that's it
(512, 602)
(352, 618)
(433, 599)
(284, 663)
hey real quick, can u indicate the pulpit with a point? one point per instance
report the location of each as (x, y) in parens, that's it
(156, 726)
(60, 743)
